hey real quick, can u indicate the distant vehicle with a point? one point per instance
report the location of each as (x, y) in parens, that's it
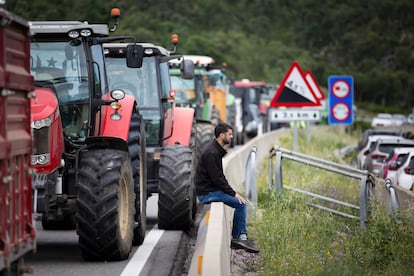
(404, 177)
(394, 161)
(246, 116)
(382, 120)
(380, 150)
(410, 119)
(399, 119)
(369, 132)
(362, 154)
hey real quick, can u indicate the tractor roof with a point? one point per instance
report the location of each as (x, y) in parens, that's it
(64, 27)
(247, 83)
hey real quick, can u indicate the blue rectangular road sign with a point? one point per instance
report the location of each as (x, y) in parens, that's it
(341, 99)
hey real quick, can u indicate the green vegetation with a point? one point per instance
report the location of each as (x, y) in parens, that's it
(297, 239)
(370, 40)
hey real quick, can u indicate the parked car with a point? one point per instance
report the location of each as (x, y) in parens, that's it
(410, 119)
(362, 154)
(405, 174)
(369, 132)
(393, 162)
(379, 151)
(382, 120)
(399, 120)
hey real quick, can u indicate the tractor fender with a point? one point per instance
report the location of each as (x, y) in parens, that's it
(119, 129)
(182, 126)
(198, 120)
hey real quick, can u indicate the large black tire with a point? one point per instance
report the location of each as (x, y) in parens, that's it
(105, 205)
(136, 149)
(176, 188)
(204, 136)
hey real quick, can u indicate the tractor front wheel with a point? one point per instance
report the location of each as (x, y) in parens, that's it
(105, 205)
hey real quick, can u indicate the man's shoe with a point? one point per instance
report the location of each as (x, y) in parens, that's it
(244, 244)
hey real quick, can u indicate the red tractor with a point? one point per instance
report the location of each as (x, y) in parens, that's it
(17, 232)
(169, 129)
(245, 113)
(89, 147)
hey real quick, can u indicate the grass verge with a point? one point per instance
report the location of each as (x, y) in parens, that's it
(297, 239)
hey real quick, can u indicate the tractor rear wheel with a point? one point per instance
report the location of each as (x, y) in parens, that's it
(204, 136)
(136, 149)
(176, 188)
(105, 205)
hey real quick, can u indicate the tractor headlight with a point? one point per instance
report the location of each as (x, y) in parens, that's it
(43, 122)
(73, 34)
(86, 32)
(40, 159)
(117, 94)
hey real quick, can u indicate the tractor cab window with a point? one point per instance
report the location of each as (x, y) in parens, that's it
(184, 91)
(99, 69)
(61, 66)
(254, 96)
(142, 83)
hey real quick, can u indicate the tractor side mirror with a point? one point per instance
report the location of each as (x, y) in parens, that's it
(187, 69)
(134, 55)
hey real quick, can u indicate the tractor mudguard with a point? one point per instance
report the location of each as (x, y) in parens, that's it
(182, 126)
(120, 129)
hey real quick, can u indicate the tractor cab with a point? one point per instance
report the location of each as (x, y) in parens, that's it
(206, 93)
(248, 122)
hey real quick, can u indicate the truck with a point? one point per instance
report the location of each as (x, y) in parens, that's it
(89, 148)
(170, 132)
(246, 117)
(17, 231)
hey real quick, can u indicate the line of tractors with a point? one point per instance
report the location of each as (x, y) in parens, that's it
(92, 125)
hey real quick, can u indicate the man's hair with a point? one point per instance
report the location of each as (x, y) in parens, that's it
(221, 128)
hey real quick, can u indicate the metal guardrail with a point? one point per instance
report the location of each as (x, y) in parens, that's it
(366, 181)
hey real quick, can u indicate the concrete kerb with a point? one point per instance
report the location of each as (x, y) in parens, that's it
(212, 254)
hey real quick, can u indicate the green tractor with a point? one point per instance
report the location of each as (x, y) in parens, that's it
(206, 94)
(169, 129)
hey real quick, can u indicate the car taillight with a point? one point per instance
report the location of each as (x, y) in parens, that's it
(393, 166)
(379, 157)
(409, 170)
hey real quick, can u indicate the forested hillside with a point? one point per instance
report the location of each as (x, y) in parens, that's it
(259, 39)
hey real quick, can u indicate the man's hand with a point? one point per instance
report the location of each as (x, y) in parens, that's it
(241, 199)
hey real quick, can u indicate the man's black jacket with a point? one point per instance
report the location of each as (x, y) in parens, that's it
(209, 175)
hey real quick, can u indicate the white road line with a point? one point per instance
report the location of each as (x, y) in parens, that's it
(137, 262)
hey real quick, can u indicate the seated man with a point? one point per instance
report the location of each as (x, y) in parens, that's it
(212, 186)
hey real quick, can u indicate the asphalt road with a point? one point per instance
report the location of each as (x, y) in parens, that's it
(162, 253)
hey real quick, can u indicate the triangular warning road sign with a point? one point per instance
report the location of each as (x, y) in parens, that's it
(294, 91)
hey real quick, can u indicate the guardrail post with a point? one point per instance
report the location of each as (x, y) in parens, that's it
(278, 171)
(270, 168)
(251, 189)
(365, 194)
(392, 198)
